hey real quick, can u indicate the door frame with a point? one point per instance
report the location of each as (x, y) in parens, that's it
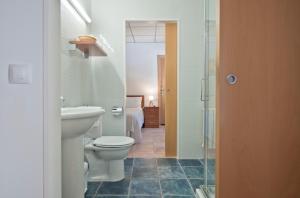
(51, 104)
(159, 57)
(177, 21)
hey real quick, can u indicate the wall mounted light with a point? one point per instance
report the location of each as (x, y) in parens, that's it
(72, 11)
(80, 10)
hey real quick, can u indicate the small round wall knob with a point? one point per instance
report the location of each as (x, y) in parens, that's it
(231, 79)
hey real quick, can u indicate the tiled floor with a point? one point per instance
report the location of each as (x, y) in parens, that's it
(164, 177)
(211, 191)
(152, 145)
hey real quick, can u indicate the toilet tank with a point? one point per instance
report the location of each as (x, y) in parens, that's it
(96, 130)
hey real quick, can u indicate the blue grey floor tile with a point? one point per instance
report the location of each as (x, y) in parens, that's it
(211, 162)
(211, 175)
(143, 196)
(171, 172)
(190, 162)
(196, 183)
(211, 170)
(167, 162)
(142, 179)
(174, 196)
(194, 171)
(145, 187)
(108, 196)
(211, 182)
(128, 162)
(176, 187)
(202, 161)
(114, 188)
(144, 172)
(92, 188)
(141, 162)
(128, 171)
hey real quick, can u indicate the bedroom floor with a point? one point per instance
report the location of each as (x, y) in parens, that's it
(152, 145)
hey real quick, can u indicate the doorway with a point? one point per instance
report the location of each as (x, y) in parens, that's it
(151, 81)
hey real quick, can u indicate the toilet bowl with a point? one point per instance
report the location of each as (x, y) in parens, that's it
(105, 154)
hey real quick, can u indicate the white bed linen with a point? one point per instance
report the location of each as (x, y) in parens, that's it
(134, 123)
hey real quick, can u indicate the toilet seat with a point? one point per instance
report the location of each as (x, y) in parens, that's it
(113, 141)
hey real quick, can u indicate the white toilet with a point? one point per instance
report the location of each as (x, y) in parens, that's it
(105, 154)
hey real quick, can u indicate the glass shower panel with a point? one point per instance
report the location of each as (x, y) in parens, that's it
(210, 99)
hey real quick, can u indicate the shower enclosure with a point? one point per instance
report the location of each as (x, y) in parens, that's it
(209, 99)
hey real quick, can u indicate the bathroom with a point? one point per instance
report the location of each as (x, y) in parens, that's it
(64, 99)
(100, 81)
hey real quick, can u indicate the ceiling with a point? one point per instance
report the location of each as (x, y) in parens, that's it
(145, 32)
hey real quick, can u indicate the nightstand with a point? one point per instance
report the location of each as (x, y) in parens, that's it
(151, 116)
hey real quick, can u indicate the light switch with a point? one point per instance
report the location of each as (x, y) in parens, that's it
(20, 74)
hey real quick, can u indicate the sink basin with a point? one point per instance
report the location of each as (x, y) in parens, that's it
(77, 120)
(75, 123)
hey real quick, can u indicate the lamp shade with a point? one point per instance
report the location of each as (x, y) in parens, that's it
(151, 98)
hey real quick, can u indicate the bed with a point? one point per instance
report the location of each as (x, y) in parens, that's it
(135, 116)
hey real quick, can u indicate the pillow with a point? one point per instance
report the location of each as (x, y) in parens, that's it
(133, 102)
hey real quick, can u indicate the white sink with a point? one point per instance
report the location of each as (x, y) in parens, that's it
(77, 120)
(75, 123)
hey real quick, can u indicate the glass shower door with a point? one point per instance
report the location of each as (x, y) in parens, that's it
(208, 188)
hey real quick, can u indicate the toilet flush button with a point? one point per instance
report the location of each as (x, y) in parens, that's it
(20, 74)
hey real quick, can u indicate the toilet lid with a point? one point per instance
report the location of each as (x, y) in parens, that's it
(113, 141)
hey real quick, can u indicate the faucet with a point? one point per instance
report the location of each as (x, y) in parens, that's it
(62, 101)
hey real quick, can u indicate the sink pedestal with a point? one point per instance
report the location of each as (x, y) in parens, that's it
(72, 167)
(75, 123)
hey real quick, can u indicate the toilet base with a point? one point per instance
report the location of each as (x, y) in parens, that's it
(104, 170)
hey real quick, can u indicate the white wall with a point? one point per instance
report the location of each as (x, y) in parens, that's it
(141, 69)
(21, 115)
(73, 63)
(109, 20)
(102, 88)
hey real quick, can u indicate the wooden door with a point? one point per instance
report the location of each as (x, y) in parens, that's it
(171, 89)
(259, 116)
(161, 87)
